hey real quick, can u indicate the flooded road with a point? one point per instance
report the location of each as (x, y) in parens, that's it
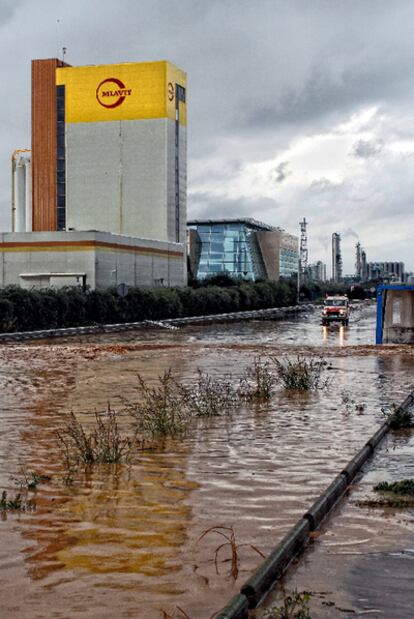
(123, 540)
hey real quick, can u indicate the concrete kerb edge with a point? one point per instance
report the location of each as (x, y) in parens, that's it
(294, 543)
(130, 326)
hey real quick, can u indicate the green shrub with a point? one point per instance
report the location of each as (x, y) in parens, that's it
(399, 418)
(28, 310)
(101, 307)
(7, 317)
(164, 303)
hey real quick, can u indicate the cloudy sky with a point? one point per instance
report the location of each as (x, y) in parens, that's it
(297, 108)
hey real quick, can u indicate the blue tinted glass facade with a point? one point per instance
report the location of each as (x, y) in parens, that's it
(288, 262)
(228, 248)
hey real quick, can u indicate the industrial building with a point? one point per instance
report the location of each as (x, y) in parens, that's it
(108, 156)
(316, 272)
(377, 271)
(243, 248)
(385, 271)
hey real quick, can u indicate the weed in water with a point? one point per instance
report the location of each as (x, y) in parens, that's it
(231, 544)
(19, 502)
(30, 480)
(182, 614)
(210, 397)
(398, 418)
(104, 443)
(258, 381)
(352, 405)
(302, 374)
(161, 410)
(295, 606)
(394, 494)
(403, 487)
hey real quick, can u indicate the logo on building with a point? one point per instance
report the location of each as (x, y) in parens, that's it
(112, 92)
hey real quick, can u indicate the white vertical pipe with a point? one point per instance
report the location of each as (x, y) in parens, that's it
(28, 183)
(20, 177)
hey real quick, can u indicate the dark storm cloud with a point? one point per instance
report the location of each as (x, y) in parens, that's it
(262, 75)
(325, 95)
(281, 172)
(363, 149)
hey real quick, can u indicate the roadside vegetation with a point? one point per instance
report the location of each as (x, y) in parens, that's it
(395, 494)
(28, 310)
(22, 499)
(399, 418)
(295, 605)
(302, 374)
(166, 408)
(103, 443)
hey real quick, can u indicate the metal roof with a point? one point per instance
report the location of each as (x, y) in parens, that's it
(235, 220)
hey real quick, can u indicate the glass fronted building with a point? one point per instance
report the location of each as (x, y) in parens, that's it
(243, 248)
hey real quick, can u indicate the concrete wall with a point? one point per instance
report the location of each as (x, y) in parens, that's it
(120, 178)
(399, 317)
(32, 259)
(269, 243)
(182, 158)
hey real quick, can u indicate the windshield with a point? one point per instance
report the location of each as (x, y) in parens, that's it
(335, 302)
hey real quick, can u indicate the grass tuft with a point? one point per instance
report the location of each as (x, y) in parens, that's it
(104, 443)
(30, 480)
(161, 410)
(19, 502)
(302, 374)
(258, 381)
(405, 487)
(210, 397)
(399, 418)
(230, 544)
(295, 606)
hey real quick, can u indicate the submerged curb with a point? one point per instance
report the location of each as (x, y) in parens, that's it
(294, 543)
(264, 314)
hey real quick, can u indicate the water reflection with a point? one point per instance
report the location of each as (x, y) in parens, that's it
(335, 334)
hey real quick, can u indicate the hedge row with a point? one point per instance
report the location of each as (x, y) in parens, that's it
(29, 310)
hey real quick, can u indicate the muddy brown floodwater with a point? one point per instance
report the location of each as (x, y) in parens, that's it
(122, 541)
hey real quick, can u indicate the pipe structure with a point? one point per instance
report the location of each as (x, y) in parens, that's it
(294, 543)
(14, 156)
(28, 205)
(20, 195)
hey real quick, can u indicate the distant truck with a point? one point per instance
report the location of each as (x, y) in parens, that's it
(335, 309)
